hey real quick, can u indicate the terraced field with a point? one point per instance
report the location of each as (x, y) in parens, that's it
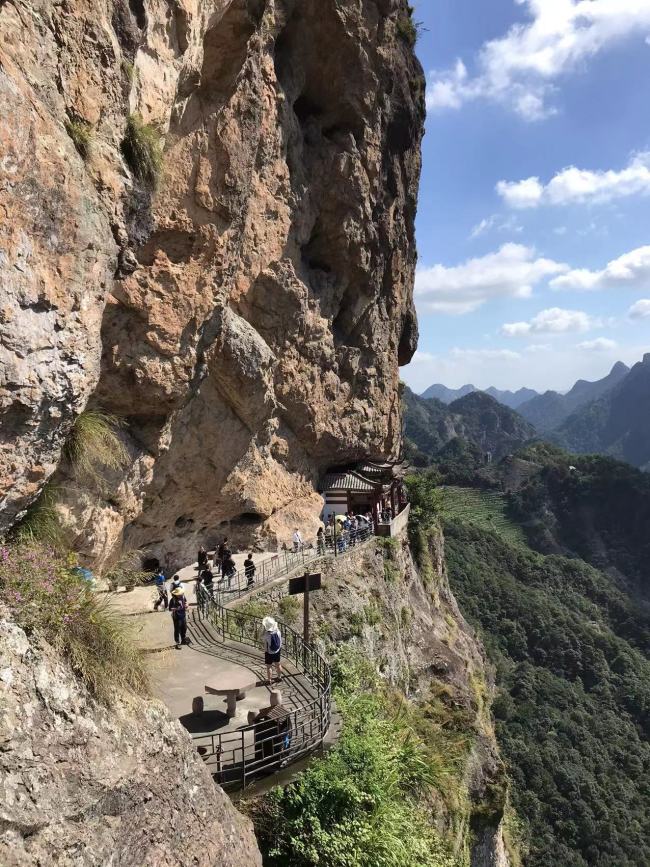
(485, 509)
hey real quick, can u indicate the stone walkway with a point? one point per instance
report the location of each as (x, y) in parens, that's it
(180, 675)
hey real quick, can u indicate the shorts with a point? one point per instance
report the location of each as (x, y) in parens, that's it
(270, 658)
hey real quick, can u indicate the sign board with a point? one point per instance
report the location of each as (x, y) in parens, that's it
(297, 585)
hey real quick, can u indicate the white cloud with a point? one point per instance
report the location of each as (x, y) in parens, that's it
(573, 185)
(640, 309)
(501, 224)
(519, 68)
(632, 270)
(521, 194)
(422, 357)
(560, 230)
(600, 344)
(484, 226)
(555, 320)
(536, 348)
(510, 272)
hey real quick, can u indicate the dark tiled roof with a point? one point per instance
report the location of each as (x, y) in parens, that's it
(350, 481)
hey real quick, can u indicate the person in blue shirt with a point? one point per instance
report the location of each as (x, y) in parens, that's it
(163, 598)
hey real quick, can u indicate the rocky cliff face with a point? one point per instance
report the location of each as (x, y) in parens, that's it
(246, 317)
(84, 784)
(406, 621)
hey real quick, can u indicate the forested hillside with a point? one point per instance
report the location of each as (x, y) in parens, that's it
(573, 712)
(483, 425)
(592, 507)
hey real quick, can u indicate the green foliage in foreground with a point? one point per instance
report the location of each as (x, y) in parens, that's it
(573, 713)
(364, 804)
(142, 149)
(47, 596)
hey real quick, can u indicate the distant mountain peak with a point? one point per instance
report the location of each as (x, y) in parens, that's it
(620, 368)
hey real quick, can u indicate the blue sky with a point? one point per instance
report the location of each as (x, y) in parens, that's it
(534, 214)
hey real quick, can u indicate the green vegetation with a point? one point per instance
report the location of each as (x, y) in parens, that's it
(599, 511)
(129, 70)
(426, 507)
(488, 510)
(41, 522)
(126, 572)
(81, 134)
(456, 438)
(573, 710)
(289, 608)
(407, 30)
(94, 445)
(367, 802)
(142, 149)
(47, 595)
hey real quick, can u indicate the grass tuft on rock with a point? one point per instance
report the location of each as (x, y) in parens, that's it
(142, 149)
(41, 522)
(48, 596)
(81, 134)
(94, 444)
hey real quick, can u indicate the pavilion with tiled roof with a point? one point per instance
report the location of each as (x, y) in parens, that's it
(369, 486)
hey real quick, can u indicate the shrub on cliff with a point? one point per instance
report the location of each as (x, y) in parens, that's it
(142, 149)
(47, 595)
(364, 803)
(81, 134)
(94, 445)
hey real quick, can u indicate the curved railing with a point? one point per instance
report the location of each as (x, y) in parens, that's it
(226, 590)
(238, 758)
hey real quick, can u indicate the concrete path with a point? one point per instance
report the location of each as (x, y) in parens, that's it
(180, 675)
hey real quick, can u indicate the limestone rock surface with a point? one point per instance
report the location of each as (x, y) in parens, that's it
(252, 310)
(84, 785)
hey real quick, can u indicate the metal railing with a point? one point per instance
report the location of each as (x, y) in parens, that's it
(238, 758)
(226, 589)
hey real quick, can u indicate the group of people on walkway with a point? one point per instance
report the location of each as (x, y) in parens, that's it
(343, 532)
(223, 564)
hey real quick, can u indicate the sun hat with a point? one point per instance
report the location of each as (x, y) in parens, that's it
(269, 624)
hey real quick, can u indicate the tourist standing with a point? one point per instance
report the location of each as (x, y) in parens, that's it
(178, 608)
(202, 559)
(297, 541)
(163, 598)
(272, 647)
(218, 557)
(320, 541)
(228, 567)
(329, 534)
(249, 570)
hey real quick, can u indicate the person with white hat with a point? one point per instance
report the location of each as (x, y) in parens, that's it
(272, 647)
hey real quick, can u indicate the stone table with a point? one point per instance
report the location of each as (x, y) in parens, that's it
(232, 684)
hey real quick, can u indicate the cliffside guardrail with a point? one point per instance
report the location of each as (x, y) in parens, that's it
(284, 562)
(238, 758)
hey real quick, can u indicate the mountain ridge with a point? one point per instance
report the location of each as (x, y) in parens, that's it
(615, 424)
(511, 399)
(547, 411)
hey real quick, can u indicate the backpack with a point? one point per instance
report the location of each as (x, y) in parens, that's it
(275, 642)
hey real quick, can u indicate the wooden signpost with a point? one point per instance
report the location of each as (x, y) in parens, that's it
(305, 584)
